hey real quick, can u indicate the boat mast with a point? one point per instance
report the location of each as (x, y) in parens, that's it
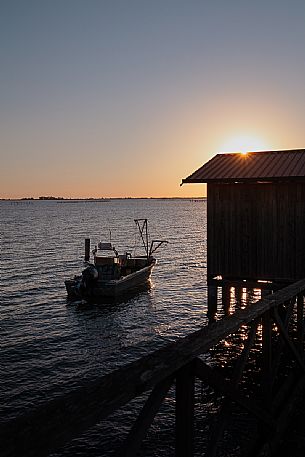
(143, 229)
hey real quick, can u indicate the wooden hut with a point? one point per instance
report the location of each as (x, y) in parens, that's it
(256, 215)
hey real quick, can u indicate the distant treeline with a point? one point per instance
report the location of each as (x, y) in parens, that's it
(51, 198)
(104, 198)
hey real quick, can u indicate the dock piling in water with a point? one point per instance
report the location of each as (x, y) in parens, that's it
(212, 302)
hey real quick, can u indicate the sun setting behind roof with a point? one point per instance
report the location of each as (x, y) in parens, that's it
(243, 143)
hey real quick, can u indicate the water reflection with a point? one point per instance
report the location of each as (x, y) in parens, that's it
(50, 346)
(109, 302)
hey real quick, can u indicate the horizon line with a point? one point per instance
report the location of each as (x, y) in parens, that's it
(98, 198)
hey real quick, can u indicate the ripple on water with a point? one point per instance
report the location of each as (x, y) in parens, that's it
(49, 346)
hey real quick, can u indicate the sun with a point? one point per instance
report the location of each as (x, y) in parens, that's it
(243, 143)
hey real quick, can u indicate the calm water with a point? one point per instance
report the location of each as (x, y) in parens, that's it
(48, 345)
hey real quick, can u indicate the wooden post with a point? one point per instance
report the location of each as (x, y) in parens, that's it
(249, 295)
(267, 358)
(238, 296)
(87, 249)
(185, 388)
(212, 302)
(265, 292)
(139, 429)
(226, 299)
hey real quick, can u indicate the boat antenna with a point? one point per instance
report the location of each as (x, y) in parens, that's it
(154, 245)
(142, 226)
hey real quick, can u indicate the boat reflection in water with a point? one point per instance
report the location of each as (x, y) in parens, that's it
(113, 275)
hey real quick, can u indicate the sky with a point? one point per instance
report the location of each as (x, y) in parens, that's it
(125, 98)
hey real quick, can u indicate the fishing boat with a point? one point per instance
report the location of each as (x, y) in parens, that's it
(112, 274)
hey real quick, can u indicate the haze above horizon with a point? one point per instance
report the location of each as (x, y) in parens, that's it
(120, 98)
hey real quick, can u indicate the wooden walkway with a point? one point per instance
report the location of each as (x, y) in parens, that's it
(277, 321)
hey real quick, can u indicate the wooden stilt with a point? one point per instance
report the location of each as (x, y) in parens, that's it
(285, 313)
(249, 295)
(185, 387)
(238, 296)
(265, 292)
(212, 302)
(267, 358)
(226, 299)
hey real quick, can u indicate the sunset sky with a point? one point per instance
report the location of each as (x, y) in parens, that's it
(126, 98)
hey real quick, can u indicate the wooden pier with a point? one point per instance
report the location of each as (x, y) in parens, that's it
(272, 328)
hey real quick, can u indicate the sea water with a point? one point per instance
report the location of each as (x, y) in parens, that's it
(50, 345)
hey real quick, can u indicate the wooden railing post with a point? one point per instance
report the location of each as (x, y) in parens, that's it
(267, 358)
(184, 432)
(145, 418)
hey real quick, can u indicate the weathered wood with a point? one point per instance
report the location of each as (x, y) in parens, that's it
(184, 433)
(210, 377)
(265, 292)
(285, 316)
(238, 370)
(226, 296)
(278, 352)
(256, 230)
(212, 303)
(250, 283)
(145, 418)
(238, 296)
(217, 431)
(85, 406)
(267, 358)
(287, 413)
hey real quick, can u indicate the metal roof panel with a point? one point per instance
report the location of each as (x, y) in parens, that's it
(252, 166)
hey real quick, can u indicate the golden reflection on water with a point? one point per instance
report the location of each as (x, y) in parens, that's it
(226, 353)
(240, 298)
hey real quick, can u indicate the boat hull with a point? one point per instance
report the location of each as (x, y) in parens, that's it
(109, 288)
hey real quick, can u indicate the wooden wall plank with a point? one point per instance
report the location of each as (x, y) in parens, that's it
(256, 231)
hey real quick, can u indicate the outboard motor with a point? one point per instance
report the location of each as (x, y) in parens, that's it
(89, 276)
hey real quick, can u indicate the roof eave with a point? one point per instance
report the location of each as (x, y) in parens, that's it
(237, 180)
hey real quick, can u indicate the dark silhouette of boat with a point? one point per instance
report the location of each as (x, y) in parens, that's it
(112, 274)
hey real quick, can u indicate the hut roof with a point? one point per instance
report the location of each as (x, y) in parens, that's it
(252, 166)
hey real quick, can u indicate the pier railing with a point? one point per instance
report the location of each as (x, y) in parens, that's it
(277, 318)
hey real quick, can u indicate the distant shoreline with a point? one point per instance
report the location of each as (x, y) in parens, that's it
(104, 200)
